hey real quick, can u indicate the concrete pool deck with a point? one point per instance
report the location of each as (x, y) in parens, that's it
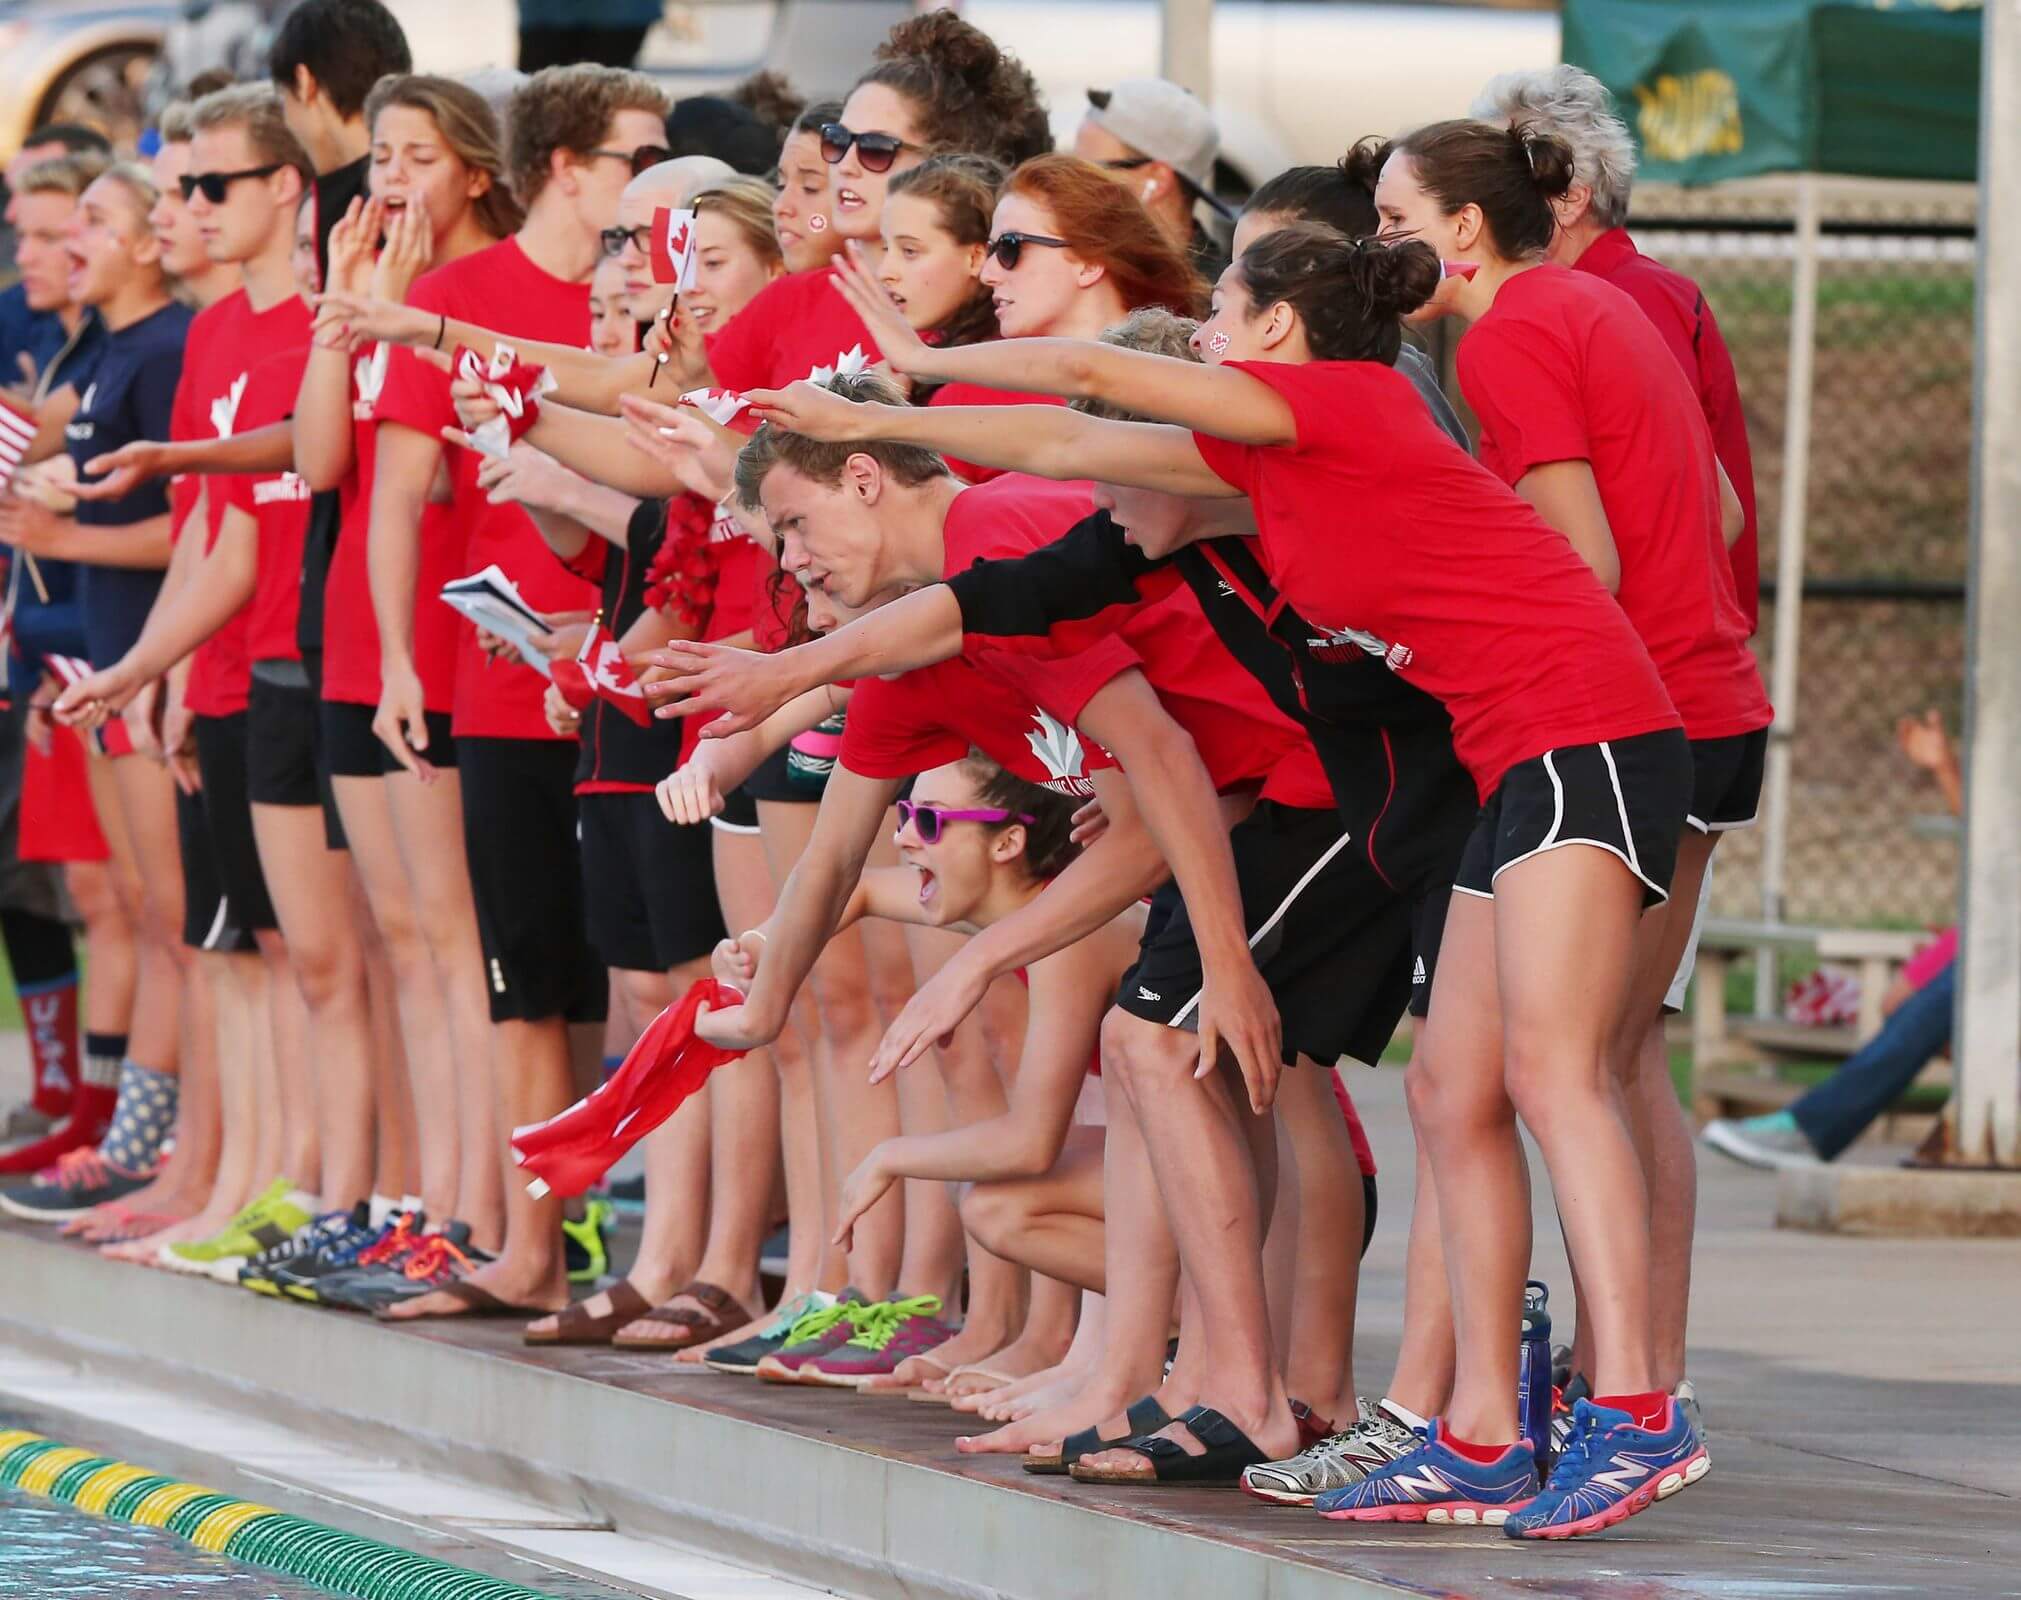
(1863, 1398)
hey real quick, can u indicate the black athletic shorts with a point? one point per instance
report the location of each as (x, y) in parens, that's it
(281, 744)
(649, 886)
(1726, 781)
(519, 835)
(1329, 938)
(1628, 796)
(740, 811)
(207, 919)
(333, 819)
(353, 750)
(221, 758)
(777, 779)
(1368, 1198)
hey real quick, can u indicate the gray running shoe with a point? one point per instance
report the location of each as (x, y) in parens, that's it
(1774, 1140)
(1375, 1440)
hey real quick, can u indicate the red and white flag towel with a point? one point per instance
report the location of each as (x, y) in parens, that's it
(568, 1153)
(514, 386)
(17, 433)
(600, 672)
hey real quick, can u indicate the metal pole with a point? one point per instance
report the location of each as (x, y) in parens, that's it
(1186, 46)
(1783, 675)
(1989, 991)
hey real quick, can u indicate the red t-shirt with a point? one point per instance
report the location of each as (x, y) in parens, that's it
(976, 394)
(1677, 306)
(278, 503)
(1020, 709)
(1565, 368)
(226, 340)
(1376, 528)
(497, 287)
(791, 328)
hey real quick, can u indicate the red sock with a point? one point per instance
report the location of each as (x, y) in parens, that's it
(91, 1107)
(1485, 1454)
(51, 1014)
(1649, 1410)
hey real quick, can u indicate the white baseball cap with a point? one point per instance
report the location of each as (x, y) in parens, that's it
(1157, 118)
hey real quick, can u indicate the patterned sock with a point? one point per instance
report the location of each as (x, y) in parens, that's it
(143, 1117)
(50, 1010)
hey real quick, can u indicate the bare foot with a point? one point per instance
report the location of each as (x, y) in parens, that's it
(1097, 1400)
(1022, 1358)
(971, 1345)
(1020, 1399)
(914, 1372)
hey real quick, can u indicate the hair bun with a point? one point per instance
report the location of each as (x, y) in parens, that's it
(1363, 163)
(1548, 157)
(953, 46)
(1401, 277)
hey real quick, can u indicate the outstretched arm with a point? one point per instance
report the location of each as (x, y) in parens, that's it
(1223, 401)
(1047, 441)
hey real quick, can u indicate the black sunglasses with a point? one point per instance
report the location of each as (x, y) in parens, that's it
(1009, 247)
(615, 240)
(876, 151)
(214, 186)
(643, 159)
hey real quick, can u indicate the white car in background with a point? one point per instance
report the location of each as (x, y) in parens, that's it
(1294, 80)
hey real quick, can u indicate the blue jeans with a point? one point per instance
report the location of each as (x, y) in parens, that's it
(1840, 1109)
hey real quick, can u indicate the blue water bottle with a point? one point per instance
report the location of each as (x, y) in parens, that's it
(1533, 1371)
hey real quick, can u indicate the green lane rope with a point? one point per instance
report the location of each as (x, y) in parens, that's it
(344, 1563)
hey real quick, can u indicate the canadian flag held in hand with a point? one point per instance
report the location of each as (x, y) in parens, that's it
(600, 672)
(673, 247)
(70, 669)
(17, 433)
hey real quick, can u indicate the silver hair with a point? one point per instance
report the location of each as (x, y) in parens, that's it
(1570, 102)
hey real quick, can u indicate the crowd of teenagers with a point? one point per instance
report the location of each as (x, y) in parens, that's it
(1063, 665)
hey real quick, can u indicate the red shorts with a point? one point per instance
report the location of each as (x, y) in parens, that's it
(58, 820)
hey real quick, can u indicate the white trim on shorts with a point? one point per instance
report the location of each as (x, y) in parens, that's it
(1687, 964)
(1275, 917)
(1722, 827)
(221, 924)
(1623, 852)
(733, 827)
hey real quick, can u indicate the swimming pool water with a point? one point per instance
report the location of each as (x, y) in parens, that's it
(54, 1552)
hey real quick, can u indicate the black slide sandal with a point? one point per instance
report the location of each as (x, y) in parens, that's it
(1228, 1450)
(1144, 1416)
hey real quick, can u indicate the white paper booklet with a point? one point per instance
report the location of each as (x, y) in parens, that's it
(492, 601)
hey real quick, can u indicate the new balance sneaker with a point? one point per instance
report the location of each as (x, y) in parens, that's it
(742, 1358)
(1686, 1397)
(1438, 1485)
(80, 1180)
(815, 1334)
(585, 1245)
(1376, 1439)
(431, 1260)
(1774, 1140)
(259, 1274)
(298, 1277)
(1610, 1469)
(25, 1123)
(886, 1334)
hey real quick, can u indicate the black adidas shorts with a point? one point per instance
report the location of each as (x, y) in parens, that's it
(1628, 796)
(519, 835)
(221, 758)
(1726, 779)
(207, 919)
(650, 887)
(1330, 939)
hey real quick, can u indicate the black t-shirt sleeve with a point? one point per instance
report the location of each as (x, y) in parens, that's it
(1061, 597)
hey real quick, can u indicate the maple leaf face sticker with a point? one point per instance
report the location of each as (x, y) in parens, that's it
(225, 407)
(1058, 747)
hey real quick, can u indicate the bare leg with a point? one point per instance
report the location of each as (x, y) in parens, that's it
(428, 824)
(145, 819)
(1205, 1148)
(1326, 1261)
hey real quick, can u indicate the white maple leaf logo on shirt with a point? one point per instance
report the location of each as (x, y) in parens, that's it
(368, 375)
(1059, 748)
(225, 407)
(852, 363)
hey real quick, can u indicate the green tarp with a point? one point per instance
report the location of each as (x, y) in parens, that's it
(1730, 88)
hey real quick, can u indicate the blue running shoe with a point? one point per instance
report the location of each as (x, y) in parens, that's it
(1434, 1484)
(1609, 1469)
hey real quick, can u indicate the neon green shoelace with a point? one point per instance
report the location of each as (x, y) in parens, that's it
(880, 1322)
(819, 1321)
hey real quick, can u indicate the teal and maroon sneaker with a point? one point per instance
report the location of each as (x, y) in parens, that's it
(815, 1334)
(885, 1335)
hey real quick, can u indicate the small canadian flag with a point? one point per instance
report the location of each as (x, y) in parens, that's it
(70, 669)
(600, 672)
(673, 247)
(17, 433)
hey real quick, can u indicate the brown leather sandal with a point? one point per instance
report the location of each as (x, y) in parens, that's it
(578, 1325)
(720, 1315)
